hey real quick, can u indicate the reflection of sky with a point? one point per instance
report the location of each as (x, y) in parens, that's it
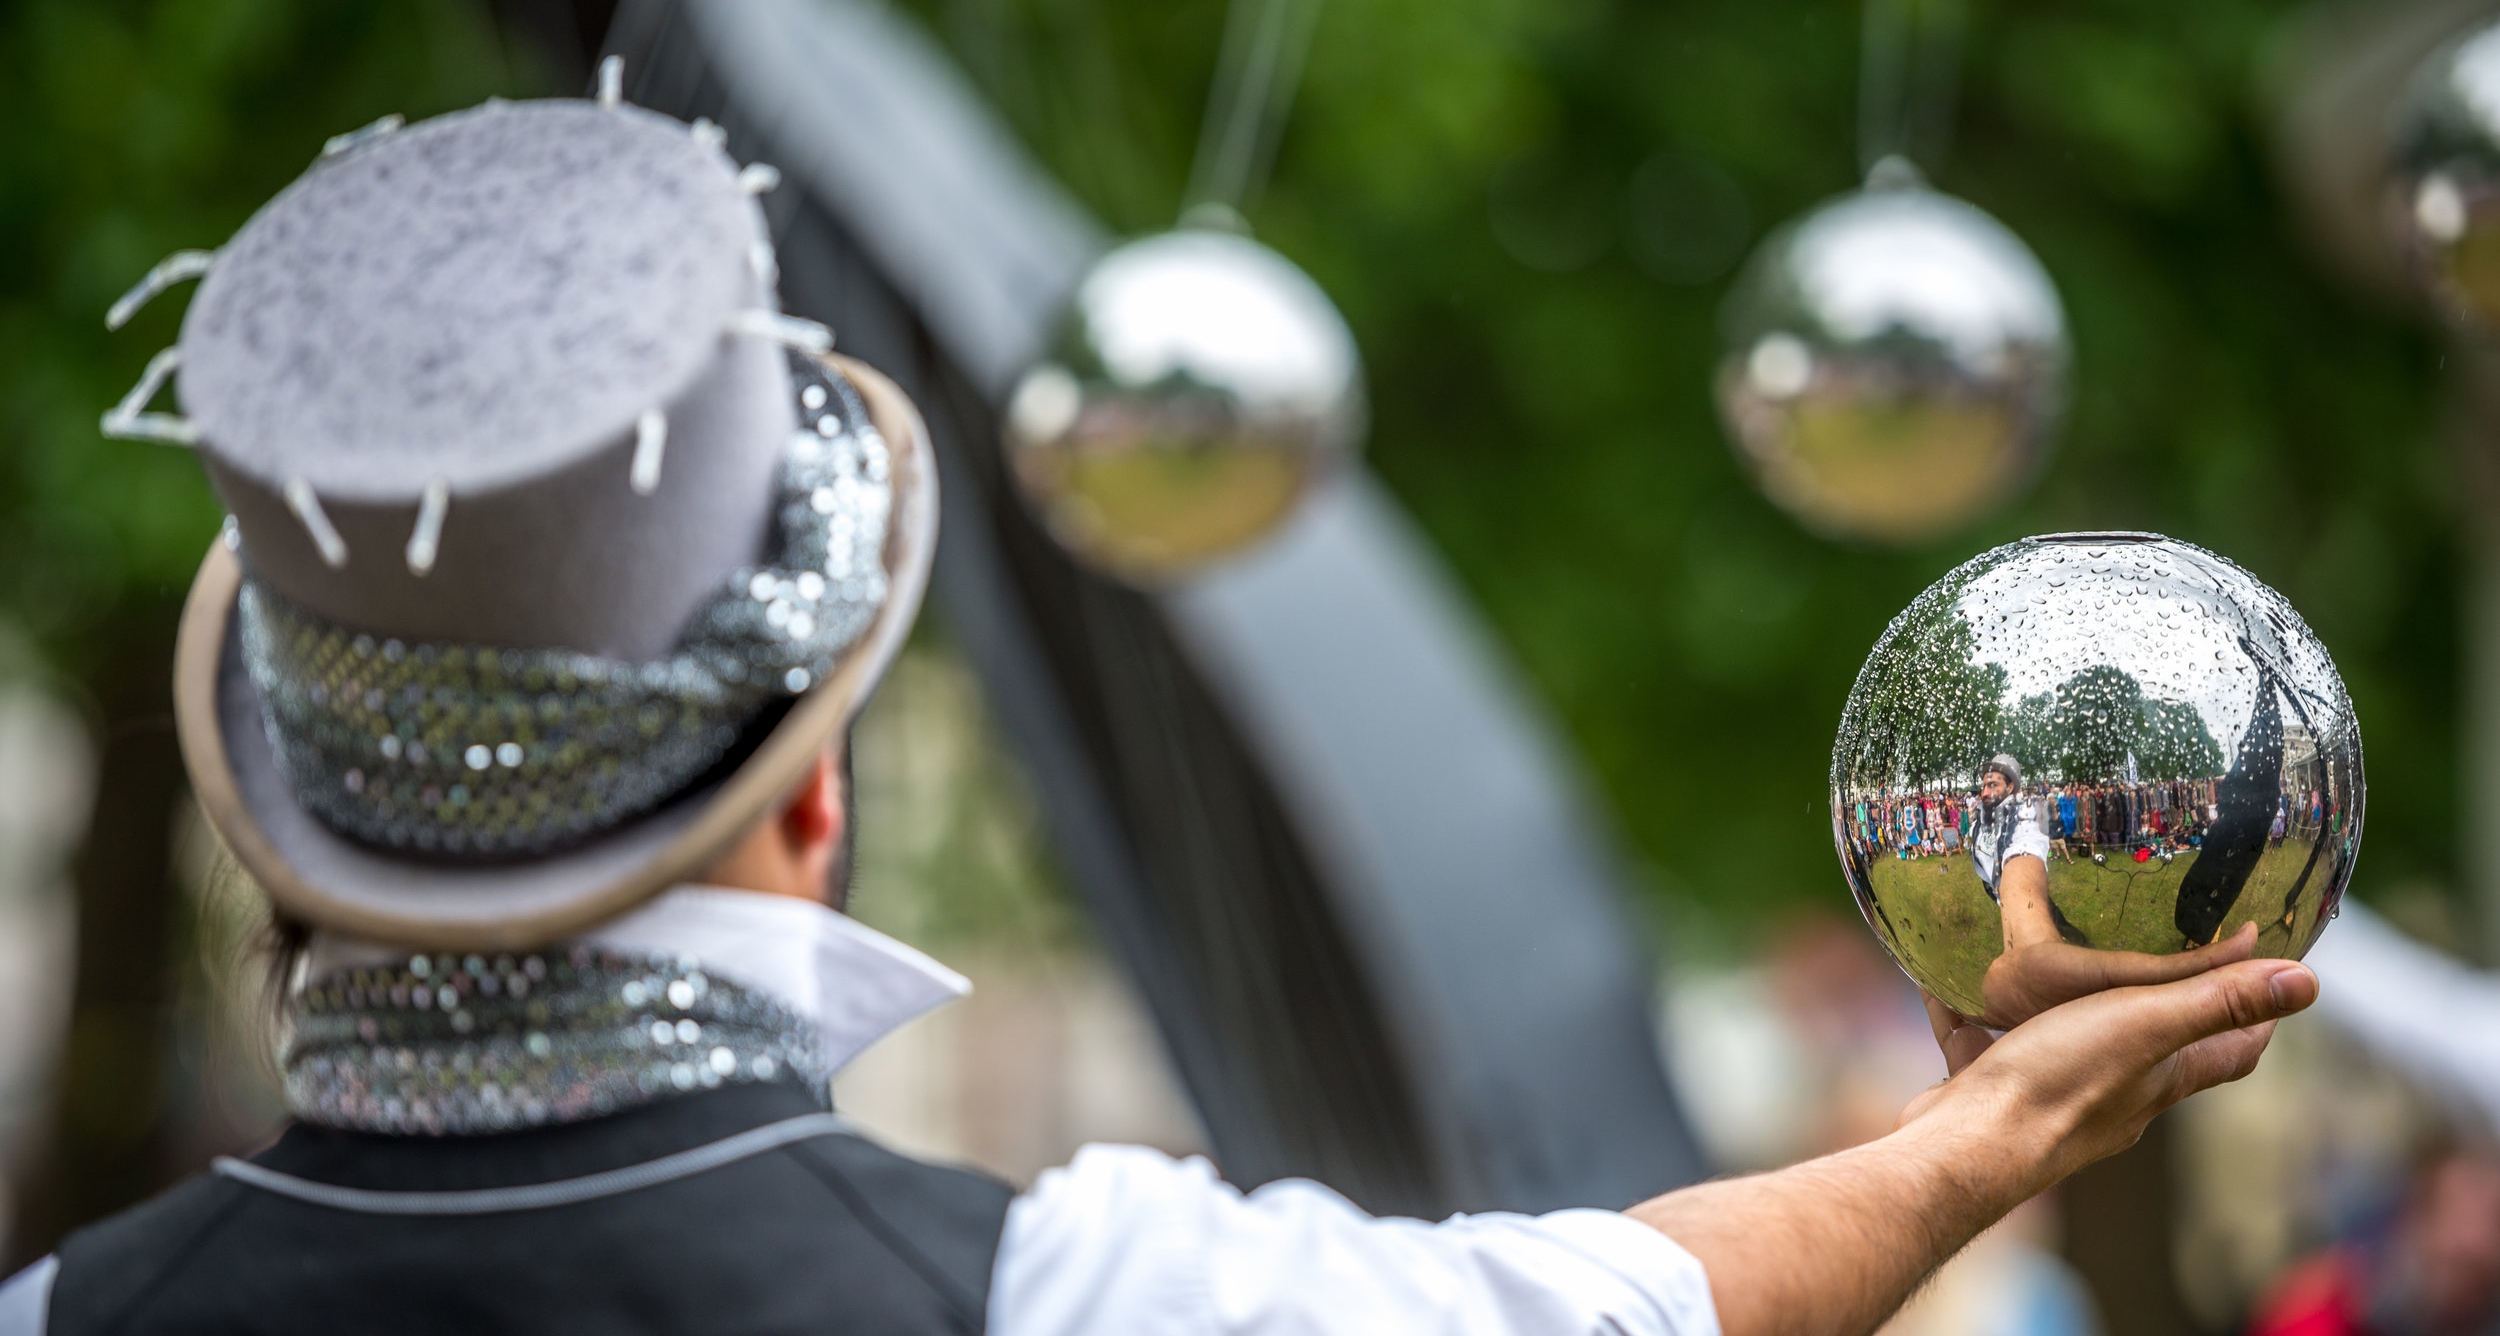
(2152, 610)
(1222, 310)
(2475, 77)
(1927, 263)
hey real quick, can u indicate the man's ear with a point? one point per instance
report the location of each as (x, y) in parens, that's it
(812, 814)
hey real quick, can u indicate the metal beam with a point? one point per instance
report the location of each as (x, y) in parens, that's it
(1319, 822)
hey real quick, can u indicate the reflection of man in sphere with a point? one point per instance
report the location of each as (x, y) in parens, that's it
(2006, 829)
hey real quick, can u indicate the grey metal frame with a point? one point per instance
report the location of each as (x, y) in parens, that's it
(1305, 798)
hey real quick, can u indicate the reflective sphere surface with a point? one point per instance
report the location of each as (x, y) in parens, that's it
(2444, 201)
(1894, 363)
(1202, 386)
(2185, 765)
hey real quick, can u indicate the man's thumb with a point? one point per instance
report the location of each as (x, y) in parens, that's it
(2239, 995)
(2293, 987)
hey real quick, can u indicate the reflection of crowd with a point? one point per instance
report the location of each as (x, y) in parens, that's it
(2143, 820)
(1914, 826)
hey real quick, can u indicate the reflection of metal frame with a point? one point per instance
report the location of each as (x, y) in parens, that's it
(2269, 658)
(1314, 817)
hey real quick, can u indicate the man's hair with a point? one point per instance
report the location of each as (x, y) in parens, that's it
(838, 876)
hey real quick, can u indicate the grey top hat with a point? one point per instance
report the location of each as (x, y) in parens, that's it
(556, 552)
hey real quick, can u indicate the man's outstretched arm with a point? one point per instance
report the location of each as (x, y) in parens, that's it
(1835, 1245)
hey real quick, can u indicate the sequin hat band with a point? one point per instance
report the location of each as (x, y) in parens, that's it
(457, 750)
(297, 783)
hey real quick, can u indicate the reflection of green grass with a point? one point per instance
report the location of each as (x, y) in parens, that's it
(1945, 930)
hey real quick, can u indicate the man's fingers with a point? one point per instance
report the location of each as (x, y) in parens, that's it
(2239, 946)
(1942, 1019)
(1958, 1039)
(2221, 1058)
(2120, 969)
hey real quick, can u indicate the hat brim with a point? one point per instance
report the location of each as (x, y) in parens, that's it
(315, 874)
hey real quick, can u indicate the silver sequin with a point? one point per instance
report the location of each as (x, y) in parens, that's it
(452, 1046)
(455, 749)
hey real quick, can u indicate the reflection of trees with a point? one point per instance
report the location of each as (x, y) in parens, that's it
(1926, 715)
(2030, 733)
(1923, 713)
(2174, 742)
(2101, 716)
(2094, 725)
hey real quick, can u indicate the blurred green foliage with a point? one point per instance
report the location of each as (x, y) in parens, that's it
(1529, 210)
(140, 129)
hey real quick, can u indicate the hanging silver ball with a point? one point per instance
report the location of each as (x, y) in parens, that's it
(1894, 363)
(1201, 387)
(2184, 762)
(2444, 199)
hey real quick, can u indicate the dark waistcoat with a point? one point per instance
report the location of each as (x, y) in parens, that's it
(831, 1235)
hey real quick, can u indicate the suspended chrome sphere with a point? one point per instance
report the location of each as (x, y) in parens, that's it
(2184, 762)
(1202, 386)
(1894, 363)
(2444, 201)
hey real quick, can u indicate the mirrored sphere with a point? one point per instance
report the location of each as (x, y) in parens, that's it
(1894, 363)
(1202, 386)
(2444, 200)
(2079, 756)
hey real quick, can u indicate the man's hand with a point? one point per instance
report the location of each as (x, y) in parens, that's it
(2038, 969)
(1834, 1245)
(2094, 1071)
(2029, 977)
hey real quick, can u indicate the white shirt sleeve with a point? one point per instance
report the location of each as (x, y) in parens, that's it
(26, 1299)
(1133, 1241)
(2028, 837)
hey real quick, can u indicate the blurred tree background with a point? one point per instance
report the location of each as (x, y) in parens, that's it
(140, 129)
(1529, 210)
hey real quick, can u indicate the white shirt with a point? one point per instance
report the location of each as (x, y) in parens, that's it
(1130, 1240)
(1991, 840)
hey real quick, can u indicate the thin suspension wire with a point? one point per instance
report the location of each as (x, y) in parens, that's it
(1257, 72)
(1909, 75)
(1937, 83)
(1883, 67)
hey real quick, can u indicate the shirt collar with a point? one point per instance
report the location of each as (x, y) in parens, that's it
(856, 984)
